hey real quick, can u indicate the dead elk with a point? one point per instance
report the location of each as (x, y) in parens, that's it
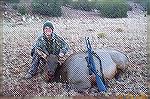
(76, 72)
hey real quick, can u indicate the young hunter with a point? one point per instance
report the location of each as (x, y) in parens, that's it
(47, 50)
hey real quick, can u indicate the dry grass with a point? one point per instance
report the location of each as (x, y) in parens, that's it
(18, 40)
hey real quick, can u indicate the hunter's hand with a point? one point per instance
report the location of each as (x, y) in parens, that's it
(61, 54)
(43, 55)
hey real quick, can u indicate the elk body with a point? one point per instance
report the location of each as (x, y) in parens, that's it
(76, 72)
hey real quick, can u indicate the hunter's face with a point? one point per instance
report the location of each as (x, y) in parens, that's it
(48, 31)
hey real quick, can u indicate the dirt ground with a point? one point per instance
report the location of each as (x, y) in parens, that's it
(128, 35)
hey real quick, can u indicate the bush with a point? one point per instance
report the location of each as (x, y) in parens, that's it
(66, 2)
(22, 10)
(15, 7)
(108, 8)
(12, 1)
(113, 9)
(101, 35)
(47, 7)
(85, 5)
(145, 4)
(129, 8)
(148, 8)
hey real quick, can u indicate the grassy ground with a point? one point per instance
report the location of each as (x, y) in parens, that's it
(18, 40)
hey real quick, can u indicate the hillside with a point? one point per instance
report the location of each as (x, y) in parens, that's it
(128, 35)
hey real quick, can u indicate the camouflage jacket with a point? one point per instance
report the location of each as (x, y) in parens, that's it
(53, 46)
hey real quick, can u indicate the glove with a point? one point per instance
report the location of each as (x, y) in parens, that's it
(42, 54)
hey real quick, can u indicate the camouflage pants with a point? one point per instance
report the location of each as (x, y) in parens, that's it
(50, 63)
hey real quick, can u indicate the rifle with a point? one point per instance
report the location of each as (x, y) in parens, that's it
(91, 65)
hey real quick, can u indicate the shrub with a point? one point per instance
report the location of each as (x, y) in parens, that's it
(148, 8)
(83, 4)
(101, 35)
(145, 4)
(113, 8)
(14, 7)
(108, 8)
(129, 8)
(47, 7)
(66, 2)
(12, 1)
(22, 10)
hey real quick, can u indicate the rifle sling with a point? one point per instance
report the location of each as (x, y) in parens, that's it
(101, 69)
